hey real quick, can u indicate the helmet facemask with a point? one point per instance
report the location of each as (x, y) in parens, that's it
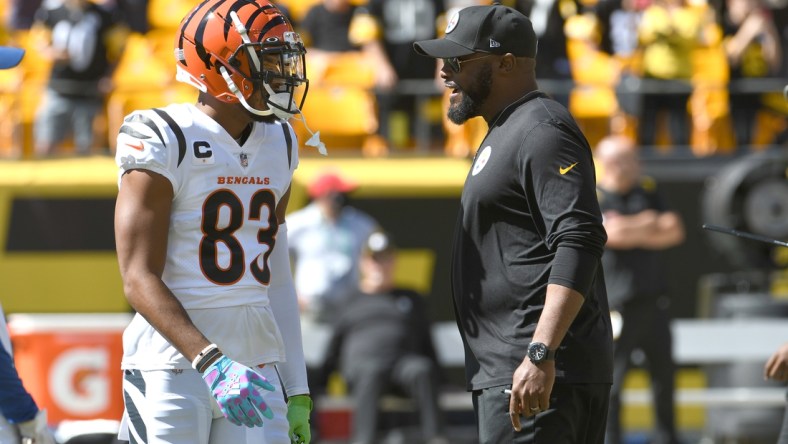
(277, 69)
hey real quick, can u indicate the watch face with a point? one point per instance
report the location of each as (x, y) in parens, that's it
(537, 352)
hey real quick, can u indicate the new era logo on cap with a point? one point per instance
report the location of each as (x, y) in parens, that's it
(495, 29)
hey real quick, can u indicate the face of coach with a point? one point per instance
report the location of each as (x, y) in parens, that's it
(488, 57)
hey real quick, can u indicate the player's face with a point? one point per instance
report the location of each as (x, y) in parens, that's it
(466, 101)
(278, 67)
(258, 101)
(259, 98)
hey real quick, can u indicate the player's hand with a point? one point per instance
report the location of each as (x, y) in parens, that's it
(298, 409)
(36, 431)
(236, 389)
(531, 388)
(777, 366)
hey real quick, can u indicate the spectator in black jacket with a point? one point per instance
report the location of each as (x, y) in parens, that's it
(382, 340)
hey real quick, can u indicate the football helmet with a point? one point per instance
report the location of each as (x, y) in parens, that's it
(230, 48)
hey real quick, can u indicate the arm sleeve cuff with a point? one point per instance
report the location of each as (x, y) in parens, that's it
(574, 269)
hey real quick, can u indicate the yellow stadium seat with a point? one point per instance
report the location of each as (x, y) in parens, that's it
(10, 109)
(345, 116)
(350, 69)
(35, 64)
(709, 103)
(298, 8)
(162, 43)
(139, 68)
(593, 100)
(168, 13)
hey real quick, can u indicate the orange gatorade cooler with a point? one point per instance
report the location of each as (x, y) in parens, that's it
(70, 363)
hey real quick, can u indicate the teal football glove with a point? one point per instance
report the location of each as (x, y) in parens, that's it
(236, 389)
(298, 409)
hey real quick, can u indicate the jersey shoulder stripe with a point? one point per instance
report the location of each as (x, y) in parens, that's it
(177, 131)
(145, 120)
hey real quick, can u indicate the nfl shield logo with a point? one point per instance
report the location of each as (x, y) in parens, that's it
(244, 160)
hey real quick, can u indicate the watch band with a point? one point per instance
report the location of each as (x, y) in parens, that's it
(549, 355)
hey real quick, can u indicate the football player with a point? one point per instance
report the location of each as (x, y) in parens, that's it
(202, 244)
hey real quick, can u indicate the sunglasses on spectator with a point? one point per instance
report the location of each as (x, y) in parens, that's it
(456, 64)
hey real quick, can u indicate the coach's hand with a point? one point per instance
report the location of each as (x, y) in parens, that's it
(298, 409)
(532, 385)
(236, 389)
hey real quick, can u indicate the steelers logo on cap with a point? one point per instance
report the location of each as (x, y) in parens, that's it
(452, 22)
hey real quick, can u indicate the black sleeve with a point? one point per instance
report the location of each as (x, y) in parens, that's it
(560, 180)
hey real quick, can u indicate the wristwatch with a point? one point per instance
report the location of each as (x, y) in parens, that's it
(538, 353)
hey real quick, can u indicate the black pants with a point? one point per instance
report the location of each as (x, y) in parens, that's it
(675, 104)
(415, 375)
(647, 327)
(576, 416)
(744, 107)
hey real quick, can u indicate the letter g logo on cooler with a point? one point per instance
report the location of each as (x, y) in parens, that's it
(78, 380)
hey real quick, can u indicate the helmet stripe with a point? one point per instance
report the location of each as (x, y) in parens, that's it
(186, 25)
(276, 21)
(228, 24)
(253, 17)
(198, 35)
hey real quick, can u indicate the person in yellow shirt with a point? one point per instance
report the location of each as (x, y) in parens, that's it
(669, 31)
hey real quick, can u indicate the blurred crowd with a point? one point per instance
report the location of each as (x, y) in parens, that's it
(702, 76)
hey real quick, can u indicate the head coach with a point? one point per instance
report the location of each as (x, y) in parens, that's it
(527, 283)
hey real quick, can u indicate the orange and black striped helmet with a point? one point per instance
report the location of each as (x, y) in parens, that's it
(230, 48)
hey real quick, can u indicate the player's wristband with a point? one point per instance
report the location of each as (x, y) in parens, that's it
(204, 356)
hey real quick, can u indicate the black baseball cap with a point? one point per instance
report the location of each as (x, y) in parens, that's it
(494, 29)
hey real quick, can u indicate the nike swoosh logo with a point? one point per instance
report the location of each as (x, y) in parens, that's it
(139, 147)
(563, 170)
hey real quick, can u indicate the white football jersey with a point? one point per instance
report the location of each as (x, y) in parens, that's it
(222, 228)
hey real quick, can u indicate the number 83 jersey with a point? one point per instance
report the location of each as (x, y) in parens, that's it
(223, 224)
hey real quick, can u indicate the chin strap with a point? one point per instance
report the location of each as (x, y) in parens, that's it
(274, 97)
(234, 89)
(313, 141)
